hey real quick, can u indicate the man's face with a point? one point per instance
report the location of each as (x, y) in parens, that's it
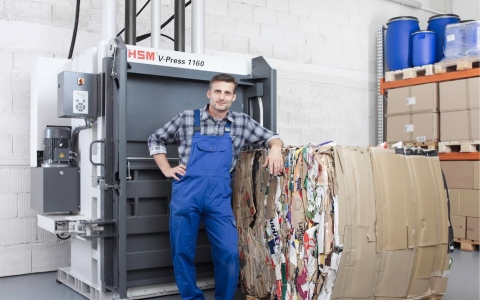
(221, 95)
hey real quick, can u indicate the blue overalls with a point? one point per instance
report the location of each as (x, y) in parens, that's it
(204, 193)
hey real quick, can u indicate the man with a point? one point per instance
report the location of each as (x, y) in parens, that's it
(209, 142)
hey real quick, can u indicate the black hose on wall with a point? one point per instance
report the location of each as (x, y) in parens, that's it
(75, 28)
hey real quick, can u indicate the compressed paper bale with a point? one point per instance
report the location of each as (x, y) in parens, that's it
(316, 231)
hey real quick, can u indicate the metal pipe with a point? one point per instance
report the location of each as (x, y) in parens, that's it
(155, 17)
(198, 26)
(109, 19)
(130, 22)
(179, 44)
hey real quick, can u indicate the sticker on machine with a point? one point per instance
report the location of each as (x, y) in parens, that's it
(186, 60)
(408, 128)
(421, 139)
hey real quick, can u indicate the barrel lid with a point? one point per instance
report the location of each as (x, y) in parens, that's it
(443, 16)
(402, 18)
(466, 21)
(423, 31)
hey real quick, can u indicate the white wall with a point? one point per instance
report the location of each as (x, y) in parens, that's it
(466, 9)
(324, 51)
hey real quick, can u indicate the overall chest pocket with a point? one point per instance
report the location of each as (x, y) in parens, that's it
(211, 146)
(210, 156)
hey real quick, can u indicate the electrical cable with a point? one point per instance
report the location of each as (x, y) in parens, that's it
(138, 13)
(167, 37)
(147, 35)
(63, 238)
(88, 124)
(75, 28)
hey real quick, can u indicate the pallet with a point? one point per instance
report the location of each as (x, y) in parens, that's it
(409, 73)
(459, 146)
(467, 245)
(87, 289)
(457, 65)
(423, 145)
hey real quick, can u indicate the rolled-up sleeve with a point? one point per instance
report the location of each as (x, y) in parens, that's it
(259, 135)
(275, 136)
(166, 135)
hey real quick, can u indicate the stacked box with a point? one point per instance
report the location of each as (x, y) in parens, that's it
(412, 114)
(463, 182)
(460, 110)
(342, 223)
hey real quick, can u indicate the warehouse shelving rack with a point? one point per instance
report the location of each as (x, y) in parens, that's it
(383, 86)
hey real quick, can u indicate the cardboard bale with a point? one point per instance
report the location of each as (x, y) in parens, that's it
(421, 127)
(459, 224)
(342, 223)
(460, 125)
(460, 94)
(413, 99)
(473, 229)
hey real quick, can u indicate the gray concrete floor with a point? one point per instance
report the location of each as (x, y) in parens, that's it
(463, 284)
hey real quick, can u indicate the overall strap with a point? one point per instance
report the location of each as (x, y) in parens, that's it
(196, 125)
(227, 128)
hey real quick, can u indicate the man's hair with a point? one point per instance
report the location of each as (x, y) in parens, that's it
(225, 78)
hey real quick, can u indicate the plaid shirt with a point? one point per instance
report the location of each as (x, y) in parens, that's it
(243, 131)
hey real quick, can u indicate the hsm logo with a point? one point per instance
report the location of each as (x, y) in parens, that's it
(141, 54)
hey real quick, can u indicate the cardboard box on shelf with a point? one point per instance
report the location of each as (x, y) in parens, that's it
(476, 174)
(413, 128)
(454, 195)
(465, 202)
(461, 174)
(470, 203)
(459, 224)
(462, 125)
(460, 94)
(473, 228)
(413, 99)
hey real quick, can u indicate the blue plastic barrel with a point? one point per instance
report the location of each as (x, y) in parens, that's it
(423, 48)
(437, 24)
(398, 49)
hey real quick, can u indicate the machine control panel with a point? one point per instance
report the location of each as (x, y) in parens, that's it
(77, 95)
(80, 102)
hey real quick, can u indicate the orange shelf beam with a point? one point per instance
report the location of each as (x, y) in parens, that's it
(460, 156)
(428, 79)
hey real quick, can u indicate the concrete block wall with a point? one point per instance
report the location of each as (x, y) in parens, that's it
(24, 248)
(468, 9)
(323, 50)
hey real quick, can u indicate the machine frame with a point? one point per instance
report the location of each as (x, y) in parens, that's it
(120, 241)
